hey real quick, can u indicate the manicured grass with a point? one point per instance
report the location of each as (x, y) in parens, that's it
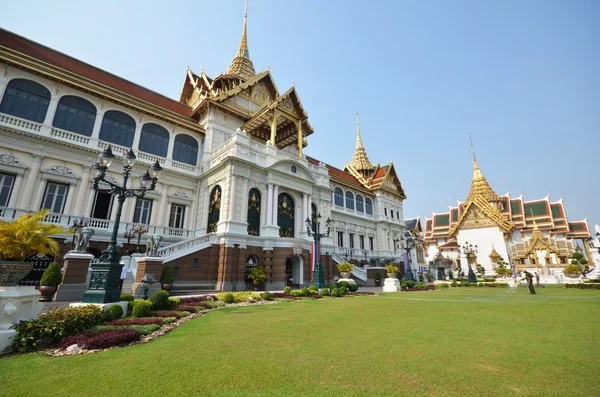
(457, 342)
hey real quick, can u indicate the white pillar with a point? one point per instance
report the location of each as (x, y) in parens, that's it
(37, 202)
(304, 210)
(15, 191)
(309, 206)
(51, 110)
(163, 216)
(32, 181)
(190, 217)
(171, 146)
(269, 204)
(83, 190)
(275, 200)
(137, 134)
(244, 215)
(232, 195)
(97, 125)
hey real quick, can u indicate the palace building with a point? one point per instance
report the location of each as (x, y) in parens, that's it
(534, 235)
(237, 186)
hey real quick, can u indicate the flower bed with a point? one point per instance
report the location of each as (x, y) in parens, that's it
(101, 339)
(188, 309)
(142, 329)
(137, 321)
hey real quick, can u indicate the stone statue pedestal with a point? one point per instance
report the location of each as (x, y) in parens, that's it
(16, 304)
(391, 285)
(75, 272)
(147, 264)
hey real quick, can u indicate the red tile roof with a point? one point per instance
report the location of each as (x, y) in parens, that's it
(337, 172)
(53, 57)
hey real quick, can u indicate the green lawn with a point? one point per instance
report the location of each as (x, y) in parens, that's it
(457, 342)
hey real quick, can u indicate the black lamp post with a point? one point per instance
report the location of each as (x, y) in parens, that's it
(319, 274)
(470, 250)
(407, 242)
(106, 271)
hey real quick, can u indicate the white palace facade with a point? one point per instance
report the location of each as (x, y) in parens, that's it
(236, 187)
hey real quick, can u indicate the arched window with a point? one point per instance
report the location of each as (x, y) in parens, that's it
(254, 212)
(118, 128)
(154, 139)
(359, 203)
(369, 206)
(214, 209)
(26, 99)
(349, 200)
(75, 114)
(313, 217)
(338, 197)
(186, 149)
(285, 215)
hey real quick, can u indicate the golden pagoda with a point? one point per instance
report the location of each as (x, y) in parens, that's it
(360, 162)
(241, 66)
(494, 255)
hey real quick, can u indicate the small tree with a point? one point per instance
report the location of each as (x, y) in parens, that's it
(480, 270)
(52, 276)
(167, 276)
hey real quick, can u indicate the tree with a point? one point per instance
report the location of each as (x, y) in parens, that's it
(480, 270)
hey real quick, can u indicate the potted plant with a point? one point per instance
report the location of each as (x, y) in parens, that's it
(258, 277)
(345, 269)
(167, 278)
(21, 238)
(377, 279)
(392, 270)
(49, 282)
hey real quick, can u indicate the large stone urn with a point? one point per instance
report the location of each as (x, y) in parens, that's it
(346, 274)
(12, 272)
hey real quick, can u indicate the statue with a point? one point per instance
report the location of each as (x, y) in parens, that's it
(153, 245)
(83, 236)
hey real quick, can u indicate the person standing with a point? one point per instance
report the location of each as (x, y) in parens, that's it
(529, 278)
(123, 274)
(537, 281)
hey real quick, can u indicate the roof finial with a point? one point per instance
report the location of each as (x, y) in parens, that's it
(243, 50)
(360, 161)
(358, 140)
(241, 65)
(476, 171)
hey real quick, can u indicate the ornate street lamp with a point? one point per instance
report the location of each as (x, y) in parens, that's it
(470, 250)
(407, 243)
(319, 275)
(106, 270)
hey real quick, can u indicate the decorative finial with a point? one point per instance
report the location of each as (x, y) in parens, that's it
(476, 171)
(358, 140)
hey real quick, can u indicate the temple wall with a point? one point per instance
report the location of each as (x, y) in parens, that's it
(484, 238)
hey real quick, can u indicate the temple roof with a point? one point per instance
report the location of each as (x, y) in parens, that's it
(241, 65)
(479, 185)
(360, 161)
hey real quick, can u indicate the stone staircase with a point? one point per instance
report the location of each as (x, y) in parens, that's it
(357, 272)
(186, 247)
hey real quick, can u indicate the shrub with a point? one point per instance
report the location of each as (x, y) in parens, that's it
(325, 291)
(572, 270)
(52, 276)
(213, 305)
(287, 290)
(188, 309)
(403, 285)
(377, 275)
(410, 283)
(160, 300)
(342, 291)
(141, 308)
(243, 296)
(167, 276)
(257, 275)
(101, 339)
(422, 285)
(391, 268)
(353, 287)
(126, 297)
(454, 284)
(577, 255)
(345, 267)
(136, 321)
(228, 298)
(334, 292)
(114, 312)
(480, 284)
(313, 288)
(267, 296)
(583, 261)
(429, 276)
(175, 302)
(343, 284)
(297, 293)
(175, 314)
(50, 327)
(443, 285)
(305, 291)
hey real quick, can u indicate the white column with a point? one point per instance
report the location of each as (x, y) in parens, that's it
(83, 190)
(138, 134)
(244, 215)
(51, 110)
(15, 190)
(171, 146)
(232, 195)
(32, 181)
(68, 209)
(269, 204)
(163, 216)
(275, 200)
(309, 206)
(3, 84)
(97, 125)
(113, 210)
(304, 210)
(190, 217)
(37, 202)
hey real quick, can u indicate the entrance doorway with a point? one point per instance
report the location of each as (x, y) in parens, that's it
(102, 205)
(294, 271)
(441, 273)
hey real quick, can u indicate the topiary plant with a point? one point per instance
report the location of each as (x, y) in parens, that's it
(342, 291)
(353, 287)
(334, 292)
(267, 296)
(126, 297)
(306, 291)
(141, 308)
(377, 275)
(345, 267)
(114, 312)
(228, 298)
(287, 290)
(52, 276)
(313, 288)
(167, 276)
(160, 300)
(325, 291)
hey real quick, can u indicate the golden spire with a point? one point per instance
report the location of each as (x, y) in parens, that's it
(241, 66)
(494, 255)
(360, 161)
(479, 185)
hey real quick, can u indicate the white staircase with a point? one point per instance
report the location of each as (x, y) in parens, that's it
(186, 247)
(357, 272)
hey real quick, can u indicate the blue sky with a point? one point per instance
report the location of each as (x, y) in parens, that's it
(523, 77)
